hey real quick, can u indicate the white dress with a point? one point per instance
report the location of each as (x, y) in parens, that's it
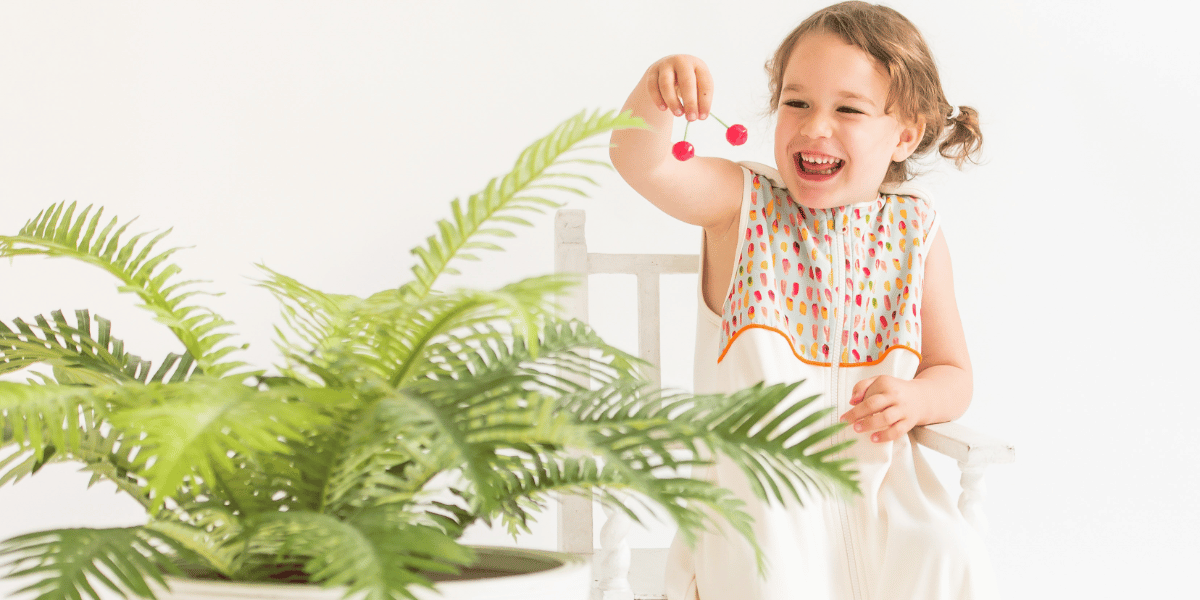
(809, 285)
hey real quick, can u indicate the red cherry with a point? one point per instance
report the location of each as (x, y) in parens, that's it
(737, 135)
(683, 150)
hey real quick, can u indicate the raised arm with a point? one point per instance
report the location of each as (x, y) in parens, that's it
(703, 191)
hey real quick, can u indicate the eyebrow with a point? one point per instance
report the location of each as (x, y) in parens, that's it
(841, 94)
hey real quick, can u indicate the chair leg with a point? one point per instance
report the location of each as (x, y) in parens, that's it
(970, 503)
(614, 556)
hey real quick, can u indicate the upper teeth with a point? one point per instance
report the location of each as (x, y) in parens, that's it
(819, 159)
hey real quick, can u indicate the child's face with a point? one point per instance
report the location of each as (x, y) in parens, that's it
(833, 140)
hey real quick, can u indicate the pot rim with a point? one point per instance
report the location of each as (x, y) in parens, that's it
(551, 563)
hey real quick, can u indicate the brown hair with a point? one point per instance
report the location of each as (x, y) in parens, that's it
(916, 89)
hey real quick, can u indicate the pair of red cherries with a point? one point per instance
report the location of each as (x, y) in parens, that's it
(735, 135)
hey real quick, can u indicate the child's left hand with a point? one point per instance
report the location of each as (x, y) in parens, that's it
(885, 406)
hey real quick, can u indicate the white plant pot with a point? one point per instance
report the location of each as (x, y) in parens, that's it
(500, 574)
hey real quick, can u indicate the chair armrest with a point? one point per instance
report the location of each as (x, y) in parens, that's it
(969, 447)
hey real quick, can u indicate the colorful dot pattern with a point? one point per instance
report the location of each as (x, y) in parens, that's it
(786, 281)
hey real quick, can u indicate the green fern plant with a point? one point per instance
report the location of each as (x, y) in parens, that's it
(395, 420)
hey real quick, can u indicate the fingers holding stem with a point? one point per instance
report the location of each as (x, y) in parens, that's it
(682, 85)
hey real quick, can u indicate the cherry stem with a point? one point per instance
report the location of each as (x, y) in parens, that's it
(685, 128)
(718, 120)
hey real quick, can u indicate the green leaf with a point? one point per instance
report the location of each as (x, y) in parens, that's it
(534, 168)
(55, 232)
(207, 541)
(78, 355)
(40, 417)
(195, 429)
(67, 563)
(378, 552)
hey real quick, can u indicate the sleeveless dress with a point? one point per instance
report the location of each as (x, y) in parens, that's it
(829, 296)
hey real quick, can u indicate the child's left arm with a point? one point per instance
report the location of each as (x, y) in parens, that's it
(888, 407)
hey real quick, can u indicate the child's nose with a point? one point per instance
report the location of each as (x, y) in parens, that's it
(818, 125)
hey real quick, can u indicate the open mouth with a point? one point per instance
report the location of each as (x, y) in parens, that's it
(817, 166)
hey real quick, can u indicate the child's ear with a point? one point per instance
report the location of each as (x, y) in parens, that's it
(910, 138)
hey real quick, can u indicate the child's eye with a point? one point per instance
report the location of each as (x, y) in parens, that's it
(851, 110)
(796, 104)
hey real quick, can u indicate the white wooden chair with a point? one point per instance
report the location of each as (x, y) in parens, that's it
(622, 573)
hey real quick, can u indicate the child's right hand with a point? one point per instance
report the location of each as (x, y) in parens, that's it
(681, 84)
(702, 190)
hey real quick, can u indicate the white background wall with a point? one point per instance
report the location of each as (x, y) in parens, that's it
(325, 138)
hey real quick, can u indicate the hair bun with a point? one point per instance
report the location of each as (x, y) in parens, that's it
(964, 140)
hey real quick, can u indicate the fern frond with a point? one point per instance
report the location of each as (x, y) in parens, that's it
(57, 232)
(82, 354)
(414, 332)
(518, 306)
(775, 439)
(698, 506)
(376, 552)
(382, 457)
(47, 419)
(206, 427)
(506, 194)
(109, 456)
(68, 563)
(317, 321)
(529, 482)
(72, 423)
(206, 534)
(491, 402)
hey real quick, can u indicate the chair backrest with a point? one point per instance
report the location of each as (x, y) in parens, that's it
(614, 558)
(572, 256)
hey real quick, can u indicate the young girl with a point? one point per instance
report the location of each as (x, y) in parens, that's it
(826, 270)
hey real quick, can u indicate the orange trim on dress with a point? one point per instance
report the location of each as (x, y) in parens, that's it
(788, 338)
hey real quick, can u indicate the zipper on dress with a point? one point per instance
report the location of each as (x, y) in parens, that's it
(840, 238)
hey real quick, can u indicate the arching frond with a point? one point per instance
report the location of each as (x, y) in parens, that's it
(515, 192)
(695, 506)
(206, 427)
(563, 355)
(72, 563)
(317, 323)
(378, 552)
(527, 482)
(386, 457)
(57, 232)
(47, 419)
(412, 327)
(85, 353)
(489, 396)
(59, 423)
(774, 438)
(207, 535)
